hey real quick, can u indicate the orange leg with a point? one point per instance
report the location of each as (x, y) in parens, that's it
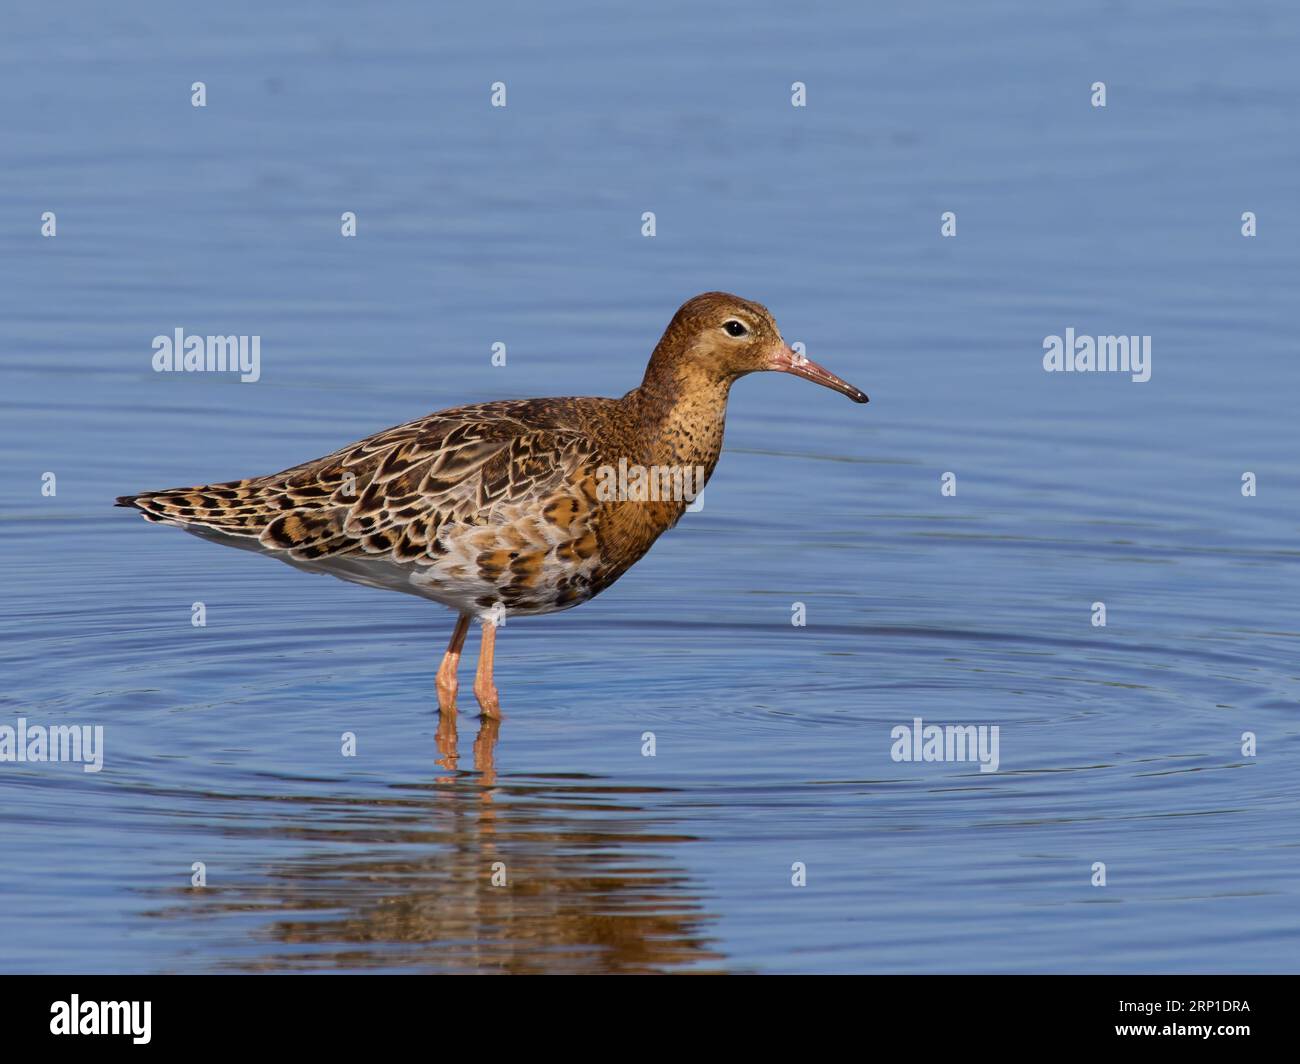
(484, 689)
(446, 680)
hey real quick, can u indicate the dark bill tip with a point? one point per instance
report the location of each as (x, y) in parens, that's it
(788, 361)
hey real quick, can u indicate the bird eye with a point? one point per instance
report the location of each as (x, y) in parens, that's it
(734, 328)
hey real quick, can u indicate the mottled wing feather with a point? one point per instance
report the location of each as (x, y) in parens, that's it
(479, 495)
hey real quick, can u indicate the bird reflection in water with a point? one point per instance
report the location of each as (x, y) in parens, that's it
(484, 749)
(408, 875)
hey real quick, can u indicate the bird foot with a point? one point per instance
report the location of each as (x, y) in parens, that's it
(488, 700)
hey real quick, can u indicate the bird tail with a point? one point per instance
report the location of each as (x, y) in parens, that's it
(235, 507)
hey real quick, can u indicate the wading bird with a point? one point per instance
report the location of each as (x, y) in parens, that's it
(499, 508)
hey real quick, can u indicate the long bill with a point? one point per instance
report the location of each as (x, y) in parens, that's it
(787, 360)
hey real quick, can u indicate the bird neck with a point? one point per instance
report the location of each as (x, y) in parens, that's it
(679, 417)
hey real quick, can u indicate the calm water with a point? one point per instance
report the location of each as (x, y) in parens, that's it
(1119, 744)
